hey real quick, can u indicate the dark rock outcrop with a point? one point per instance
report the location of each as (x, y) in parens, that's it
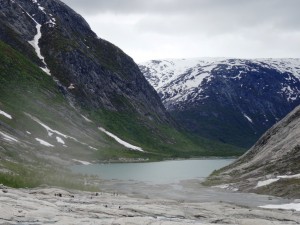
(102, 76)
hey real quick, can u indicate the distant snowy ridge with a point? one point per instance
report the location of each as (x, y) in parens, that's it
(177, 80)
(243, 97)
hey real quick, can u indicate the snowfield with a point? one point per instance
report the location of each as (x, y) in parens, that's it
(178, 80)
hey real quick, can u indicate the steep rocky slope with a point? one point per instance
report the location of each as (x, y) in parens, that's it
(231, 100)
(272, 165)
(98, 74)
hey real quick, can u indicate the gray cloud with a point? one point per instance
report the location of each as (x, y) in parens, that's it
(255, 23)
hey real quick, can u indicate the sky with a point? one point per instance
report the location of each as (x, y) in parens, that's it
(158, 29)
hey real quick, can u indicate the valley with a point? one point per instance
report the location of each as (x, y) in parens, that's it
(68, 96)
(87, 136)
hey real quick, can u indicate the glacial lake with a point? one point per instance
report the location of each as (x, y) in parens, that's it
(178, 180)
(154, 172)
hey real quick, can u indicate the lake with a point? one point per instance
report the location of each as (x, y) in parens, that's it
(178, 180)
(154, 172)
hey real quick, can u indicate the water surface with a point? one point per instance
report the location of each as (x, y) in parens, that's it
(178, 180)
(155, 172)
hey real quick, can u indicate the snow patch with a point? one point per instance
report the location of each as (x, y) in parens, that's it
(238, 76)
(266, 182)
(222, 186)
(120, 141)
(82, 162)
(71, 86)
(60, 140)
(28, 132)
(8, 138)
(86, 119)
(45, 143)
(289, 176)
(290, 206)
(50, 134)
(50, 130)
(46, 70)
(247, 117)
(90, 147)
(42, 9)
(5, 114)
(35, 42)
(226, 187)
(270, 181)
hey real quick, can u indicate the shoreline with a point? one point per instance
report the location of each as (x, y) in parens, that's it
(147, 160)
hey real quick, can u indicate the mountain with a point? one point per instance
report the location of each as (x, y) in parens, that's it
(232, 100)
(68, 96)
(271, 166)
(98, 74)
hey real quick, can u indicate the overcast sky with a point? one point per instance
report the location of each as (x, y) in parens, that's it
(155, 29)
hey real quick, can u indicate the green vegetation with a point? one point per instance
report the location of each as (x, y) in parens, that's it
(210, 126)
(25, 88)
(39, 173)
(159, 140)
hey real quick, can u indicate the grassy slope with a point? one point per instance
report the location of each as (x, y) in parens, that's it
(161, 141)
(24, 88)
(210, 127)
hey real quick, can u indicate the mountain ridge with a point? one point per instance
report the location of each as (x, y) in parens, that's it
(215, 96)
(66, 38)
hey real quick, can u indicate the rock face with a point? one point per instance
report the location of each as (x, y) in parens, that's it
(232, 100)
(272, 164)
(56, 206)
(98, 74)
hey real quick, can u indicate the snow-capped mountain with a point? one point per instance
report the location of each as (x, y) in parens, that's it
(233, 100)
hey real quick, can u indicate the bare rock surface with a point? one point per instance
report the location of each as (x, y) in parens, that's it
(272, 165)
(56, 206)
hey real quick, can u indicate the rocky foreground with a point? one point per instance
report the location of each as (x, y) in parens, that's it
(57, 206)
